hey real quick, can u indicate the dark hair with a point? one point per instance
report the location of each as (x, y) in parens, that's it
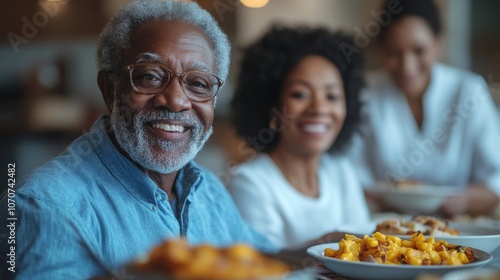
(424, 9)
(264, 67)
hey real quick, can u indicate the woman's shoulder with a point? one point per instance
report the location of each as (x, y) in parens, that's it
(452, 70)
(449, 74)
(459, 85)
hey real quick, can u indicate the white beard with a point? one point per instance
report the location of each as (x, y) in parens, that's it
(139, 145)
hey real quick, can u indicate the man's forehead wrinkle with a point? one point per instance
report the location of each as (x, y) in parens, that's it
(200, 66)
(192, 41)
(149, 57)
(156, 58)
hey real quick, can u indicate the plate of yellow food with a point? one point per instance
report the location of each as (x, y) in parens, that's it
(466, 234)
(175, 259)
(388, 257)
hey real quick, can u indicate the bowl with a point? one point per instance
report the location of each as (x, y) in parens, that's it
(418, 199)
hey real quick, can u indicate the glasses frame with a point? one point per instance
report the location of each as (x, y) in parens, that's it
(130, 69)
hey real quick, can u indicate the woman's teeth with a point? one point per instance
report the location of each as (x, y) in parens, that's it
(314, 128)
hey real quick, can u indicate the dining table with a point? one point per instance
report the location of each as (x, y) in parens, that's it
(305, 267)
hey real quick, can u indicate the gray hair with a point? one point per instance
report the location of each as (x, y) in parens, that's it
(114, 39)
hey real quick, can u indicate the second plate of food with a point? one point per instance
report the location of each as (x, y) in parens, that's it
(483, 238)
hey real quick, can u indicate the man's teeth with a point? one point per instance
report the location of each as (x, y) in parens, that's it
(169, 127)
(315, 128)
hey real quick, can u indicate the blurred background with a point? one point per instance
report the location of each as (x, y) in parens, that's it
(49, 95)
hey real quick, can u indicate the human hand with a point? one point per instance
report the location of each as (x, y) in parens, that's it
(477, 199)
(331, 237)
(454, 205)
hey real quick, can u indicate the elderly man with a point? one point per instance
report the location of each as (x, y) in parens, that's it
(130, 182)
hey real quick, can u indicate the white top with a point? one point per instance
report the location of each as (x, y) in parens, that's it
(287, 217)
(458, 143)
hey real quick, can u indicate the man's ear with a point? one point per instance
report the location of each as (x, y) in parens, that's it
(107, 88)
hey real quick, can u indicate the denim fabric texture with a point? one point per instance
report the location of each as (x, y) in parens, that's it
(91, 210)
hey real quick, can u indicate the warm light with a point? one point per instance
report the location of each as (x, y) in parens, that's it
(254, 3)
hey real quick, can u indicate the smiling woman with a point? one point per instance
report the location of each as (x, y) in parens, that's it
(428, 122)
(297, 87)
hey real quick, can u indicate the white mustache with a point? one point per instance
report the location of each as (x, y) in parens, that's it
(131, 135)
(168, 116)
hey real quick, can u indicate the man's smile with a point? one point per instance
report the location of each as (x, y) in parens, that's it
(168, 131)
(169, 127)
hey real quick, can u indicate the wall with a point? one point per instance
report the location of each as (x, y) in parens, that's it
(354, 15)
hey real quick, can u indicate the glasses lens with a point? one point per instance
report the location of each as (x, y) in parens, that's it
(200, 85)
(148, 78)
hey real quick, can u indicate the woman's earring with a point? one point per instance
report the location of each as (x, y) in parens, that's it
(273, 124)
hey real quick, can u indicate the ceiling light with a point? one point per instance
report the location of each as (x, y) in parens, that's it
(254, 3)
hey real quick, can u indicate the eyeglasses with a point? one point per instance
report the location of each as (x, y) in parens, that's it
(152, 78)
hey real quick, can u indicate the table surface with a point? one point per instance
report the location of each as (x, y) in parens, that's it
(304, 262)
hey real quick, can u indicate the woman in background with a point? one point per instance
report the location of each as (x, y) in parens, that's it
(296, 101)
(428, 122)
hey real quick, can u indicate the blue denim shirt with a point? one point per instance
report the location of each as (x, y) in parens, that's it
(91, 210)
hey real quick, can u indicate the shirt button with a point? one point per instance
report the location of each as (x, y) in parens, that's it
(154, 207)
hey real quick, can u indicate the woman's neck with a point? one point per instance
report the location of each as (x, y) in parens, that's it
(415, 102)
(417, 109)
(301, 171)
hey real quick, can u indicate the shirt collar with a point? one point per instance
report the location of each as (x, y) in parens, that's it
(188, 179)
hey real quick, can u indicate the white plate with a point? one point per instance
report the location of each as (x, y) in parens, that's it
(375, 271)
(420, 199)
(482, 238)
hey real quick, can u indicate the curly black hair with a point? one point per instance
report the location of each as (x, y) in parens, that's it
(424, 9)
(265, 66)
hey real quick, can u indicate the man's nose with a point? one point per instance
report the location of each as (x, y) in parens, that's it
(172, 97)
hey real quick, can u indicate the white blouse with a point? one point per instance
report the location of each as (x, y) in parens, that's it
(288, 218)
(458, 143)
